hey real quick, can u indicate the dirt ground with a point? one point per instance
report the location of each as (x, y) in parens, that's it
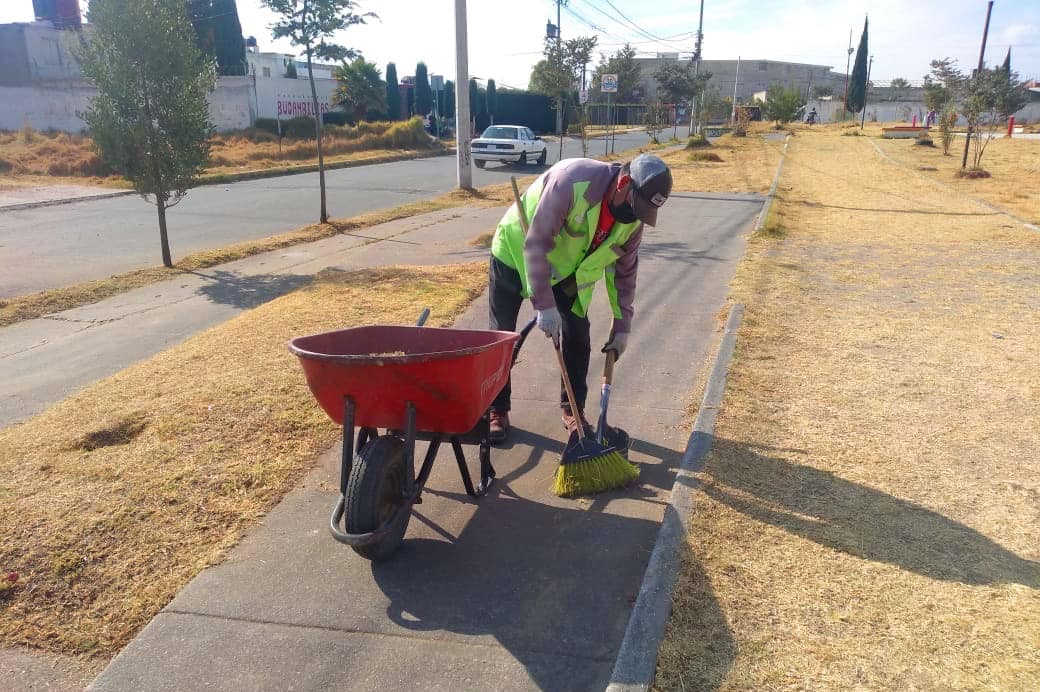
(868, 517)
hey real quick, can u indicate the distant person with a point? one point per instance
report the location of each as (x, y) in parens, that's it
(931, 118)
(812, 117)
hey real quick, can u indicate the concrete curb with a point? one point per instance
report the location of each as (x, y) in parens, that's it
(636, 662)
(261, 173)
(949, 188)
(772, 188)
(64, 200)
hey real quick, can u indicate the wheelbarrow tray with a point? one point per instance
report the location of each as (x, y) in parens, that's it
(450, 376)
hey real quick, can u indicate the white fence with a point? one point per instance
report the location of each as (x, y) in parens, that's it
(902, 111)
(233, 105)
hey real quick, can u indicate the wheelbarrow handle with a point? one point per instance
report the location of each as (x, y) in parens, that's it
(423, 317)
(523, 337)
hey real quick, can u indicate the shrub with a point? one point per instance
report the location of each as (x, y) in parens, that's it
(336, 118)
(5, 165)
(972, 173)
(710, 156)
(924, 140)
(268, 125)
(28, 135)
(697, 141)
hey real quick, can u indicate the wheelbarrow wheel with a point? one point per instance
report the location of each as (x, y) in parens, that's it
(374, 494)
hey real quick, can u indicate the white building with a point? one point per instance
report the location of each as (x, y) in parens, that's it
(276, 94)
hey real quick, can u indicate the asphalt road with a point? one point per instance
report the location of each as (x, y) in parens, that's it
(54, 246)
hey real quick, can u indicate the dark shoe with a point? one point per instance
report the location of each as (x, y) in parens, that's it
(570, 422)
(499, 426)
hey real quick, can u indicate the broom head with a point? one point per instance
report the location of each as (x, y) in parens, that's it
(588, 467)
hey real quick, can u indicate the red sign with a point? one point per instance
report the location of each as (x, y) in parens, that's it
(292, 109)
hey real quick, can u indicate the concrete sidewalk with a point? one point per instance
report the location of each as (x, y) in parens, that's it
(519, 590)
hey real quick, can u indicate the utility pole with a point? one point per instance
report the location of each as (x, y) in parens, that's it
(463, 156)
(978, 73)
(736, 80)
(866, 90)
(848, 62)
(559, 67)
(696, 71)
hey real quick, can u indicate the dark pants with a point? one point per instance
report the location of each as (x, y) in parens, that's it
(504, 294)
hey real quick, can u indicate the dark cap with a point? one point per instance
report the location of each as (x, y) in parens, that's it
(651, 184)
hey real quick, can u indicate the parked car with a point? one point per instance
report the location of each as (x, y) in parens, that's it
(509, 144)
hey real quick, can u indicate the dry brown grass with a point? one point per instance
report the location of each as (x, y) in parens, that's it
(748, 165)
(1013, 164)
(115, 498)
(52, 155)
(253, 149)
(869, 513)
(20, 308)
(30, 157)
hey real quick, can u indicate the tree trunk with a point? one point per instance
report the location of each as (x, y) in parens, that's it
(317, 134)
(164, 239)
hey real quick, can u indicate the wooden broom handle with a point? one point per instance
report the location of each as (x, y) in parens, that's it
(608, 366)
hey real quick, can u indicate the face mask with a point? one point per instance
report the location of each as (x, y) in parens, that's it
(623, 213)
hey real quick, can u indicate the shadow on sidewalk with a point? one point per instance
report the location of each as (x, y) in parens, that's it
(858, 520)
(553, 585)
(227, 288)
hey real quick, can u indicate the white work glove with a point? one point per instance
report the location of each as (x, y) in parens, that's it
(617, 343)
(550, 322)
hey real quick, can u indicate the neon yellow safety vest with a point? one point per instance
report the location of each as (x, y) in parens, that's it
(571, 245)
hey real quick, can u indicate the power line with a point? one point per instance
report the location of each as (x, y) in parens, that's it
(634, 27)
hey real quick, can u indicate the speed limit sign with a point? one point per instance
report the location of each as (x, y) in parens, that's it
(608, 84)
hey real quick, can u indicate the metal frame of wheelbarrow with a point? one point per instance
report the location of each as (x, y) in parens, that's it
(414, 484)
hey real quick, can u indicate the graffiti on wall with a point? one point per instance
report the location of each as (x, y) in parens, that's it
(291, 109)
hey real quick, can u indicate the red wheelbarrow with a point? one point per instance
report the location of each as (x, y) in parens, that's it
(414, 383)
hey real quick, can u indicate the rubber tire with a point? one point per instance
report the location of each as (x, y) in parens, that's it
(376, 480)
(522, 161)
(480, 163)
(544, 155)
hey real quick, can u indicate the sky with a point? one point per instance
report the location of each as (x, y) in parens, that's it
(505, 38)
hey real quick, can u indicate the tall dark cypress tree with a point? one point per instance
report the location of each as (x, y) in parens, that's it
(218, 32)
(1006, 67)
(858, 78)
(492, 99)
(393, 92)
(231, 47)
(448, 100)
(423, 93)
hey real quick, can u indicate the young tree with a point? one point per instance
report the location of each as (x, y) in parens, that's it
(782, 104)
(150, 118)
(822, 90)
(491, 99)
(310, 24)
(393, 92)
(943, 85)
(654, 120)
(423, 94)
(680, 85)
(990, 97)
(360, 88)
(858, 79)
(623, 64)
